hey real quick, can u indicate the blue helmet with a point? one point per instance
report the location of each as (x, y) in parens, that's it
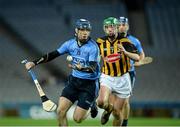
(123, 20)
(83, 24)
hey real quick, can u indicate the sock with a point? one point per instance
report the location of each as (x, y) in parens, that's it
(125, 122)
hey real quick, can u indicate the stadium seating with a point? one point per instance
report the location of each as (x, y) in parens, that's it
(163, 18)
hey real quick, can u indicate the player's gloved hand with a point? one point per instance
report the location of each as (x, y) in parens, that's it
(29, 65)
(75, 66)
(71, 66)
(78, 66)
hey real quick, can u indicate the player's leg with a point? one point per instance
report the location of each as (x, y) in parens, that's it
(126, 108)
(63, 107)
(66, 101)
(103, 102)
(103, 98)
(85, 101)
(104, 92)
(94, 108)
(126, 112)
(122, 90)
(86, 97)
(82, 109)
(80, 114)
(117, 110)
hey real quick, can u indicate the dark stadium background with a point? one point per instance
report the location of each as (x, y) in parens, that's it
(30, 28)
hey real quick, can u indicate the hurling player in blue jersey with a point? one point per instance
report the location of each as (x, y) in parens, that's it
(123, 31)
(85, 72)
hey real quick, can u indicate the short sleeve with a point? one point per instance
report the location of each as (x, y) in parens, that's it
(63, 48)
(130, 47)
(139, 46)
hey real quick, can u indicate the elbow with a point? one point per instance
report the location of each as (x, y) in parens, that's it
(137, 58)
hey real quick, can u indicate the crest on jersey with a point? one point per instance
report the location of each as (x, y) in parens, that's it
(112, 58)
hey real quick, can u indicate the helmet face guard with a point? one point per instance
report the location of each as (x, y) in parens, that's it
(82, 30)
(123, 20)
(110, 26)
(83, 24)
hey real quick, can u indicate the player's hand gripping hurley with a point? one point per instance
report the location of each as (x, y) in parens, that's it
(47, 104)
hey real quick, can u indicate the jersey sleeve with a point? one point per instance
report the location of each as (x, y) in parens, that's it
(63, 48)
(139, 46)
(130, 47)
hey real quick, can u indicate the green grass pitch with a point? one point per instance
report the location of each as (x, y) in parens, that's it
(90, 122)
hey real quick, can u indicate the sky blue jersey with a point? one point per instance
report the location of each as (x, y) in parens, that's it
(137, 44)
(83, 55)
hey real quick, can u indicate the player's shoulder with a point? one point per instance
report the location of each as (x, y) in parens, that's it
(124, 40)
(133, 38)
(72, 40)
(69, 42)
(93, 43)
(101, 39)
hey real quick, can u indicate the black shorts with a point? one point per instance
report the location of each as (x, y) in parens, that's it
(81, 90)
(133, 77)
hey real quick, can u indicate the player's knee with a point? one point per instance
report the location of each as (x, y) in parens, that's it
(101, 103)
(61, 113)
(77, 119)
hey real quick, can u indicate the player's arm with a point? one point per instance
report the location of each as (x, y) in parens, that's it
(131, 55)
(45, 58)
(140, 52)
(142, 56)
(49, 56)
(93, 60)
(90, 69)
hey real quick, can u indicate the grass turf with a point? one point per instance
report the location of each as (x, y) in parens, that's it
(91, 122)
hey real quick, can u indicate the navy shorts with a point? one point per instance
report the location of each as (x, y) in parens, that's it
(133, 78)
(81, 90)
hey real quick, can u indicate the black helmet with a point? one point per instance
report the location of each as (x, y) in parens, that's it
(123, 20)
(83, 24)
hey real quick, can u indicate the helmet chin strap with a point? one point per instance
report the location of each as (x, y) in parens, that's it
(112, 37)
(123, 34)
(82, 41)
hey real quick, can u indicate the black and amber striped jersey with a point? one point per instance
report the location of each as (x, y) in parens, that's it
(114, 62)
